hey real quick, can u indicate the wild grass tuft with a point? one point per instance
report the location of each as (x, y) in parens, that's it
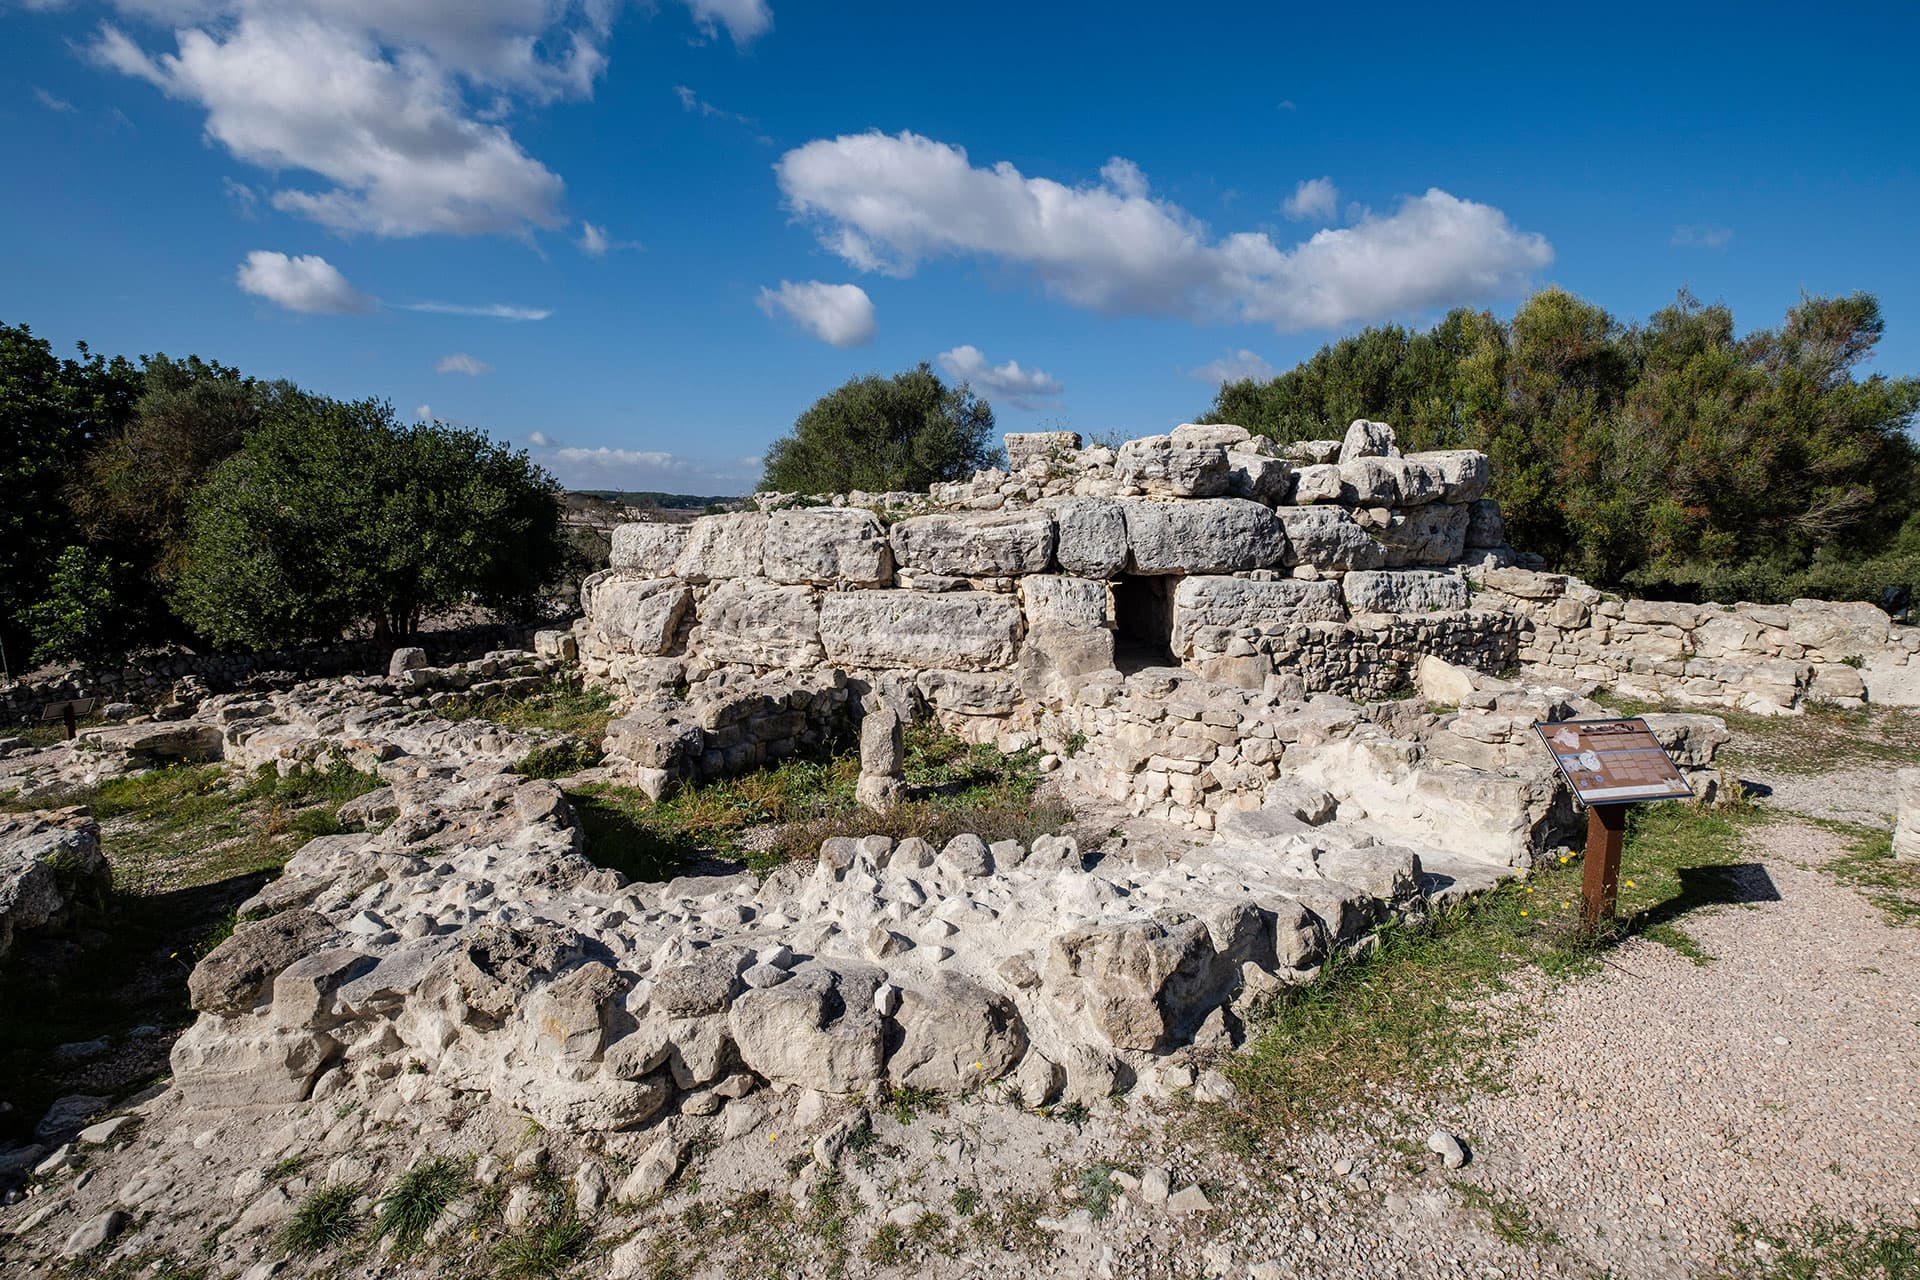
(417, 1198)
(327, 1217)
(1821, 1248)
(564, 705)
(544, 1248)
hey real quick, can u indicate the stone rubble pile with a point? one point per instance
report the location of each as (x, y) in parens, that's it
(51, 871)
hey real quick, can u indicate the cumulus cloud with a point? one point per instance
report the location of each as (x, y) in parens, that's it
(839, 314)
(593, 240)
(1315, 200)
(1023, 388)
(539, 439)
(483, 311)
(1702, 236)
(1235, 366)
(461, 362)
(308, 283)
(394, 106)
(887, 203)
(424, 412)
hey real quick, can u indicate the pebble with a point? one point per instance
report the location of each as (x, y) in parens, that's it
(93, 1233)
(1189, 1199)
(1452, 1152)
(107, 1130)
(1155, 1184)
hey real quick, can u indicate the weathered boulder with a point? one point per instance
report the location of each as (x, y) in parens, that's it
(1404, 591)
(157, 742)
(1433, 534)
(405, 659)
(231, 978)
(493, 968)
(652, 549)
(1091, 535)
(1258, 477)
(1215, 535)
(567, 1021)
(1199, 435)
(961, 630)
(828, 546)
(1242, 606)
(758, 622)
(817, 1030)
(633, 614)
(1463, 473)
(1137, 983)
(1024, 448)
(1485, 528)
(723, 546)
(1318, 482)
(1162, 467)
(244, 1062)
(51, 869)
(1328, 538)
(987, 544)
(954, 1034)
(1368, 440)
(1906, 814)
(1055, 600)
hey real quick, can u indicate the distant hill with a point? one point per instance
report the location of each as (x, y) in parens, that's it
(647, 498)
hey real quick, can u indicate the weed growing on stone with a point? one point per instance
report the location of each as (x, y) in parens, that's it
(1098, 1190)
(327, 1217)
(564, 705)
(557, 759)
(416, 1200)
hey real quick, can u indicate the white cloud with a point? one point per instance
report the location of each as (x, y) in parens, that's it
(50, 102)
(461, 362)
(394, 106)
(593, 240)
(743, 19)
(245, 200)
(1702, 236)
(483, 311)
(1315, 200)
(1234, 367)
(308, 283)
(423, 412)
(1023, 388)
(887, 203)
(840, 314)
(539, 439)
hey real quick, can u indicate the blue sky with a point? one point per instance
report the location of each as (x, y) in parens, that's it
(639, 240)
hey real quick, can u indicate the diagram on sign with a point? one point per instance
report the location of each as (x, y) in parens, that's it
(1613, 761)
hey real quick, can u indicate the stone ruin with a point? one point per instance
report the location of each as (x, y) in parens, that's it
(1320, 664)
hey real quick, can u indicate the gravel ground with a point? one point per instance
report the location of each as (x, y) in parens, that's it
(1862, 794)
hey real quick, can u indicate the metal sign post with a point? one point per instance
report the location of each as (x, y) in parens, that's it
(1610, 764)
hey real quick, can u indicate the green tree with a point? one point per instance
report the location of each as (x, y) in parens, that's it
(84, 615)
(51, 410)
(900, 433)
(334, 516)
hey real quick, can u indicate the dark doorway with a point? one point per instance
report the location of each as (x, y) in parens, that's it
(1143, 622)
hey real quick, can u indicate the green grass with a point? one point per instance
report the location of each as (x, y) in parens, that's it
(417, 1198)
(1509, 1219)
(1405, 1019)
(327, 1217)
(1891, 885)
(545, 1248)
(1821, 739)
(565, 705)
(1820, 1248)
(1098, 1190)
(953, 788)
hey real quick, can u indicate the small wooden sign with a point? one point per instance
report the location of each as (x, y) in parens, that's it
(1613, 761)
(1610, 764)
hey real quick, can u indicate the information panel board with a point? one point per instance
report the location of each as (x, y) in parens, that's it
(1613, 761)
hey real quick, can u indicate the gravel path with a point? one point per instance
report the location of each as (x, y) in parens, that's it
(1862, 794)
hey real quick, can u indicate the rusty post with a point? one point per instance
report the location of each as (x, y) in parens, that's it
(1606, 827)
(66, 714)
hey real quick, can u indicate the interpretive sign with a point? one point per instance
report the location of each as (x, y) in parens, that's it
(1610, 764)
(1613, 761)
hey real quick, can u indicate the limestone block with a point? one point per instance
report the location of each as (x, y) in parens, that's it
(1242, 606)
(754, 621)
(1485, 528)
(1318, 482)
(1328, 538)
(1310, 453)
(828, 546)
(1837, 682)
(1164, 469)
(653, 548)
(1404, 591)
(1433, 534)
(1374, 482)
(1092, 536)
(1368, 440)
(1726, 635)
(1135, 983)
(1906, 815)
(1216, 535)
(882, 744)
(724, 546)
(632, 614)
(817, 1030)
(1838, 629)
(960, 630)
(955, 1034)
(1258, 477)
(1463, 473)
(1663, 613)
(243, 1062)
(1055, 600)
(234, 975)
(1198, 435)
(1027, 447)
(987, 544)
(405, 660)
(971, 693)
(51, 869)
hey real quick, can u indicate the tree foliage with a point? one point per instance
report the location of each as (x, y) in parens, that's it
(906, 432)
(1672, 457)
(334, 516)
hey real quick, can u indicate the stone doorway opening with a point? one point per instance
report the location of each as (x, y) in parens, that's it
(1143, 621)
